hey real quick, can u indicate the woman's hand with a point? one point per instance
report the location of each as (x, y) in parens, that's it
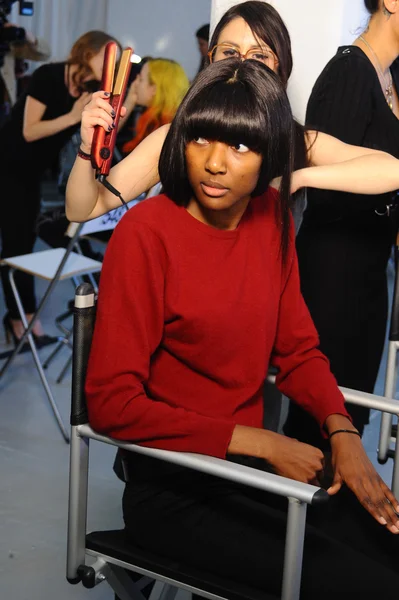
(98, 112)
(77, 108)
(289, 457)
(294, 459)
(353, 468)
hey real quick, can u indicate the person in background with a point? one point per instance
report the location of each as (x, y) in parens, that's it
(160, 86)
(202, 35)
(345, 240)
(41, 121)
(13, 67)
(127, 125)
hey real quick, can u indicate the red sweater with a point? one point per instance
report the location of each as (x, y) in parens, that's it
(189, 319)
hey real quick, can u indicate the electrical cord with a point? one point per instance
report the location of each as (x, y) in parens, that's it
(103, 180)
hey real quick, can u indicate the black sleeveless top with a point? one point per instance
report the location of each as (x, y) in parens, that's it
(347, 102)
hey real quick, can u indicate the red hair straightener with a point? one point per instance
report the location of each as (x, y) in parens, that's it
(103, 144)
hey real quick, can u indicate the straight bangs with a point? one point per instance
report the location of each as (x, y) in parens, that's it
(234, 102)
(226, 112)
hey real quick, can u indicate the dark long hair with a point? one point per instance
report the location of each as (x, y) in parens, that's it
(234, 102)
(372, 6)
(267, 26)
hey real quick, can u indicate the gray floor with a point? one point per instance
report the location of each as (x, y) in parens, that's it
(34, 478)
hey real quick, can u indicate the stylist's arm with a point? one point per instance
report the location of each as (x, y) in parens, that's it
(35, 128)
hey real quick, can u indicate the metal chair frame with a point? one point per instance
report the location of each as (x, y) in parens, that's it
(387, 446)
(111, 568)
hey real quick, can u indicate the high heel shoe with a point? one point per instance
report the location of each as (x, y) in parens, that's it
(44, 340)
(40, 340)
(11, 335)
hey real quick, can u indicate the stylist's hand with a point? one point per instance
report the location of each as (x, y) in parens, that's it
(77, 108)
(98, 112)
(353, 467)
(294, 459)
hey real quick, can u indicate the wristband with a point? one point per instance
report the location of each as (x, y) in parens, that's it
(84, 155)
(354, 431)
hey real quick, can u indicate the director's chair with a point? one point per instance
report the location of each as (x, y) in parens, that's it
(114, 554)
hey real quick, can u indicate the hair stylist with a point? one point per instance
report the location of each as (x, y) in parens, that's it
(41, 122)
(345, 240)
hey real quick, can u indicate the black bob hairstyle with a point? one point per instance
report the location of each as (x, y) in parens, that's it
(267, 27)
(234, 102)
(203, 32)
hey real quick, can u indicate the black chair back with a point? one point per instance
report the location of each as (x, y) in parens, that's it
(83, 327)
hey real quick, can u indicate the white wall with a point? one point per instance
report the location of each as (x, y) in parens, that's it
(61, 22)
(163, 28)
(355, 19)
(156, 27)
(316, 32)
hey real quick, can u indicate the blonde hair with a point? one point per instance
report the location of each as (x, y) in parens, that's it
(171, 86)
(88, 45)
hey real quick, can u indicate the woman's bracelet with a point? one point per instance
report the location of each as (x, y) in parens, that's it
(354, 431)
(84, 155)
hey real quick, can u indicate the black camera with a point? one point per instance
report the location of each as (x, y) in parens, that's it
(11, 34)
(25, 8)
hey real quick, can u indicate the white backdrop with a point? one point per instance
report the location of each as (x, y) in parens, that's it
(162, 28)
(61, 22)
(156, 27)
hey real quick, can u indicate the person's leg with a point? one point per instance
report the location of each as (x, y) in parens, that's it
(20, 204)
(240, 535)
(345, 520)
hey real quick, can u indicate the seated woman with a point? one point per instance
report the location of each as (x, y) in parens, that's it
(199, 294)
(160, 87)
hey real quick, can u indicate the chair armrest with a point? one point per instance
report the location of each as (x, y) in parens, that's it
(371, 401)
(224, 469)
